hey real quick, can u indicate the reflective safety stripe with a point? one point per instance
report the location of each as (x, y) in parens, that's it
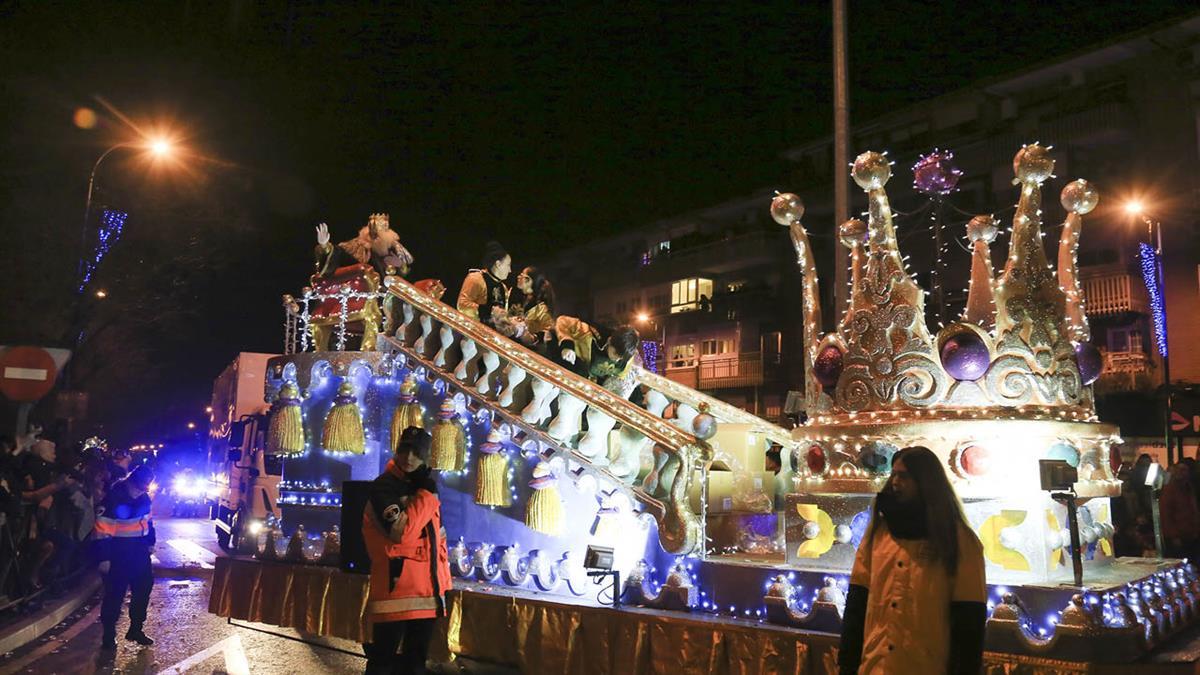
(122, 527)
(392, 605)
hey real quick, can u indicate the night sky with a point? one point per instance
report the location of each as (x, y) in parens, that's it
(541, 127)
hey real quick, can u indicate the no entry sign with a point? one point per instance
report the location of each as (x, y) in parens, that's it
(28, 373)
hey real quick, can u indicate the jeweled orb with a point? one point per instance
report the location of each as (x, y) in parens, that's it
(965, 356)
(843, 534)
(1033, 164)
(787, 208)
(871, 170)
(852, 233)
(828, 366)
(815, 459)
(704, 426)
(876, 456)
(935, 173)
(1090, 362)
(982, 228)
(1064, 451)
(976, 460)
(811, 530)
(1080, 197)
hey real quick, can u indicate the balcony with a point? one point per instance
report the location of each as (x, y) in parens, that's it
(1125, 372)
(1125, 362)
(1109, 293)
(724, 372)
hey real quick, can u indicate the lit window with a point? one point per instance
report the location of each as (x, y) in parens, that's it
(686, 294)
(683, 356)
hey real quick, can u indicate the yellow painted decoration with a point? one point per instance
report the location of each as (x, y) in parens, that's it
(1105, 545)
(1056, 556)
(989, 534)
(816, 547)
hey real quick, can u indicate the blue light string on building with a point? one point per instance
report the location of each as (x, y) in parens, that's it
(1148, 259)
(112, 222)
(650, 351)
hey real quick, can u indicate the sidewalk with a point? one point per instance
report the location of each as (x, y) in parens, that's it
(23, 629)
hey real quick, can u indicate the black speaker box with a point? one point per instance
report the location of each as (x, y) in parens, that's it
(354, 549)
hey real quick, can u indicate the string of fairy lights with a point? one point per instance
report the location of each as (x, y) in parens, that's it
(112, 223)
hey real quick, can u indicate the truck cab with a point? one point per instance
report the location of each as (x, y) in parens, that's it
(246, 484)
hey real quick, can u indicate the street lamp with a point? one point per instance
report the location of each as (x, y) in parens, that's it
(159, 148)
(1157, 277)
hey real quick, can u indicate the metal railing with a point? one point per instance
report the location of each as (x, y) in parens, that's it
(297, 332)
(738, 370)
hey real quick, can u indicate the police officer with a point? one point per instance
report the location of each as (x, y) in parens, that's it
(410, 568)
(124, 536)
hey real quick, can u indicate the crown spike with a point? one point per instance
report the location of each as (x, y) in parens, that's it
(981, 231)
(889, 351)
(787, 209)
(1078, 198)
(853, 234)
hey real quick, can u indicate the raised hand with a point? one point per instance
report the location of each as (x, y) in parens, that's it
(322, 234)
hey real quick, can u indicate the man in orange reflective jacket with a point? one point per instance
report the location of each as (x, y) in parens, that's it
(410, 567)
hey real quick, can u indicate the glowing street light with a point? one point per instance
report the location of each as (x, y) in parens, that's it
(101, 294)
(191, 425)
(161, 147)
(641, 317)
(1134, 207)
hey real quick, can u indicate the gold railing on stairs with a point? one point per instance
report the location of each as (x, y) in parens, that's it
(551, 403)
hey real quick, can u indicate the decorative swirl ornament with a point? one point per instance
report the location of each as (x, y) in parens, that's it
(680, 530)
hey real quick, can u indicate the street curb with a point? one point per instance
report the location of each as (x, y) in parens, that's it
(49, 617)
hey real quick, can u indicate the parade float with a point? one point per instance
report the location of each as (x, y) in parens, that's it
(538, 467)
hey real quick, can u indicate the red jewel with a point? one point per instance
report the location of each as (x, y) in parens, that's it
(816, 459)
(976, 460)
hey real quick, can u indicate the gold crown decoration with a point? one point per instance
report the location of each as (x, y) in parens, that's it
(377, 222)
(1014, 350)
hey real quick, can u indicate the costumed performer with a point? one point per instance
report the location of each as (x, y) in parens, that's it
(377, 245)
(610, 359)
(536, 304)
(484, 290)
(410, 566)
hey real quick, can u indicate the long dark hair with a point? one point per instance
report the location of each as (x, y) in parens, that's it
(543, 290)
(943, 512)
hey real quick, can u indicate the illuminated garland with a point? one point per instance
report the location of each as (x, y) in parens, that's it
(112, 222)
(1149, 261)
(650, 354)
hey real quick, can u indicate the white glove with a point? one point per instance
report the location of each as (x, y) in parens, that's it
(104, 566)
(568, 355)
(322, 234)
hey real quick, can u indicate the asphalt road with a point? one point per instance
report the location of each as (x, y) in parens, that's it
(187, 638)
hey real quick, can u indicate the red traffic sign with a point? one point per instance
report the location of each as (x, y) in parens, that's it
(28, 373)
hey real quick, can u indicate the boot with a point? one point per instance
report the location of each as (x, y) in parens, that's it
(109, 641)
(135, 634)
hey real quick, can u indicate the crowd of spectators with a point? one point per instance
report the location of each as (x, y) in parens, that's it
(1179, 509)
(48, 496)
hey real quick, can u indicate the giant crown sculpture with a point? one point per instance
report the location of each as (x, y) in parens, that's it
(1019, 352)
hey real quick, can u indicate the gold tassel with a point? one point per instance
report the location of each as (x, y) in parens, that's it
(544, 512)
(448, 451)
(491, 483)
(408, 411)
(343, 425)
(285, 435)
